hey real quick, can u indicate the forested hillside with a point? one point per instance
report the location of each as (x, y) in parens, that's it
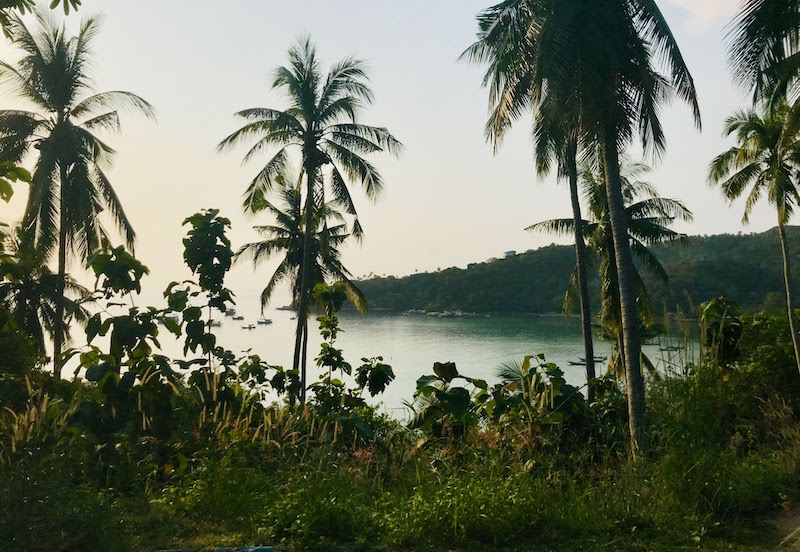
(746, 268)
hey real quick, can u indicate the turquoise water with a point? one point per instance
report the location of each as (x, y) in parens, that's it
(412, 343)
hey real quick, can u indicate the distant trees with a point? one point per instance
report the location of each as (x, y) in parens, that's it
(320, 122)
(765, 162)
(69, 188)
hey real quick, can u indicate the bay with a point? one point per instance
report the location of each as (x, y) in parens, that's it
(412, 343)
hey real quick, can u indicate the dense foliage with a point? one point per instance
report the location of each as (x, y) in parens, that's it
(745, 268)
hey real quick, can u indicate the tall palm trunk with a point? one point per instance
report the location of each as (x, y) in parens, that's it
(302, 313)
(787, 279)
(616, 314)
(580, 255)
(305, 346)
(634, 382)
(60, 329)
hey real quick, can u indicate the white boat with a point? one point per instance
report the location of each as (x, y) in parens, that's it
(215, 323)
(265, 321)
(230, 312)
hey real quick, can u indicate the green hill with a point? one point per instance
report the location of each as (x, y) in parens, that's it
(745, 267)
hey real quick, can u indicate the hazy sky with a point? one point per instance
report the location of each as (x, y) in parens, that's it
(449, 201)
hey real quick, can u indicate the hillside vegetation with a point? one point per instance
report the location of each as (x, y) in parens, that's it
(745, 268)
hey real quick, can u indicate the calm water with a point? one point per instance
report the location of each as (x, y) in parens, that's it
(411, 344)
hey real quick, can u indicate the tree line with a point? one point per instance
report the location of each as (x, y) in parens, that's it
(744, 268)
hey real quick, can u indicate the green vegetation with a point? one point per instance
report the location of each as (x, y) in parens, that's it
(746, 268)
(141, 451)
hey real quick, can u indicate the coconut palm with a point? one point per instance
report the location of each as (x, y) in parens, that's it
(69, 189)
(30, 291)
(286, 238)
(648, 217)
(320, 122)
(764, 47)
(600, 59)
(506, 46)
(764, 162)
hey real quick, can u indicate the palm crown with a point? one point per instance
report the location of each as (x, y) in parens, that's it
(285, 236)
(320, 121)
(563, 56)
(52, 75)
(764, 47)
(765, 160)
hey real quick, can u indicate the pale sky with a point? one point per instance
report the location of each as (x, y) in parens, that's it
(449, 201)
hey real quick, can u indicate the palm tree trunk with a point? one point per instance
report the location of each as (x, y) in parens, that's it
(60, 329)
(298, 344)
(305, 344)
(302, 314)
(634, 382)
(580, 255)
(787, 278)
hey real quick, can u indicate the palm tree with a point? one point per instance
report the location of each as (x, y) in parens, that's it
(286, 236)
(764, 47)
(598, 59)
(70, 189)
(648, 218)
(30, 291)
(765, 161)
(321, 123)
(505, 44)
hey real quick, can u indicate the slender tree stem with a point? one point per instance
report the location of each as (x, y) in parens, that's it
(580, 255)
(60, 329)
(302, 314)
(787, 278)
(305, 344)
(634, 381)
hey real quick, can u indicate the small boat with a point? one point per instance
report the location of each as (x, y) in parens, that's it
(230, 312)
(215, 324)
(264, 321)
(240, 317)
(582, 361)
(249, 327)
